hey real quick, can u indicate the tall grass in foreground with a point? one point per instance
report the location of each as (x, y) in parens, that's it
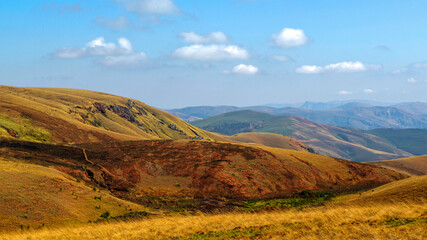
(398, 221)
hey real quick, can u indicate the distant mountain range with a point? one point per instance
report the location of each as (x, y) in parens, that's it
(347, 143)
(359, 115)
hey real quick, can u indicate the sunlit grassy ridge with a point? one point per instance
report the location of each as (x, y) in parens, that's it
(271, 140)
(416, 166)
(71, 115)
(402, 218)
(403, 221)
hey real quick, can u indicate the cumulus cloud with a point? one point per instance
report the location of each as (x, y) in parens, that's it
(344, 92)
(214, 37)
(245, 69)
(334, 68)
(211, 52)
(368, 90)
(309, 69)
(412, 80)
(142, 7)
(112, 54)
(289, 38)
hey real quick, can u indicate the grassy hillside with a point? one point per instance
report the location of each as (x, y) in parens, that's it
(415, 166)
(271, 140)
(402, 218)
(409, 140)
(356, 145)
(411, 190)
(70, 115)
(34, 196)
(147, 170)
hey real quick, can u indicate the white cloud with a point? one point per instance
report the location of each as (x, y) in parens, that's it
(113, 55)
(290, 37)
(99, 47)
(334, 68)
(345, 67)
(211, 52)
(412, 80)
(149, 6)
(368, 90)
(282, 58)
(214, 37)
(309, 69)
(344, 92)
(245, 69)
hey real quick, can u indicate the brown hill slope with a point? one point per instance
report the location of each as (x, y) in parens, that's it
(271, 140)
(415, 166)
(139, 169)
(37, 196)
(76, 116)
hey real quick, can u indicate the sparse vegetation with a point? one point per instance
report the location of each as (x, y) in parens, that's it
(105, 214)
(21, 127)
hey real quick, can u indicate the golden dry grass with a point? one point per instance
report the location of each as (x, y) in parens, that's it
(61, 111)
(378, 214)
(271, 140)
(401, 221)
(415, 166)
(33, 195)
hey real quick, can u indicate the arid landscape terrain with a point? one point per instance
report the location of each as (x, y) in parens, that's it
(196, 120)
(79, 164)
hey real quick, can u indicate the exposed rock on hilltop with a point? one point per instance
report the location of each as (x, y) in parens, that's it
(76, 116)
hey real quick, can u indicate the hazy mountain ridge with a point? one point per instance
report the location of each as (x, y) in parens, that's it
(360, 115)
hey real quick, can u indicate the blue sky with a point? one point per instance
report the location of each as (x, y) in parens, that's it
(227, 52)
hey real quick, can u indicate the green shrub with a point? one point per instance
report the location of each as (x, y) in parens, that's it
(105, 215)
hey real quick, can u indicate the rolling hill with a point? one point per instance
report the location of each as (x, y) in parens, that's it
(271, 140)
(357, 115)
(76, 116)
(414, 166)
(356, 145)
(409, 140)
(411, 190)
(142, 170)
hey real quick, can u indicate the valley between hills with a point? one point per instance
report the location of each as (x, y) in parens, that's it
(77, 164)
